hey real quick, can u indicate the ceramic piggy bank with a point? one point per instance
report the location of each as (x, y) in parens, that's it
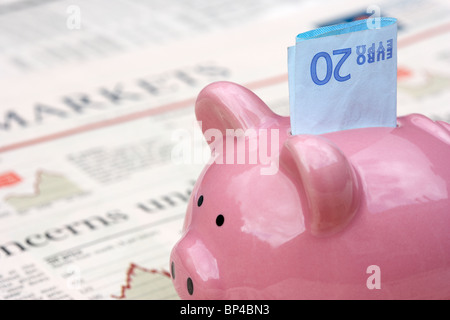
(354, 214)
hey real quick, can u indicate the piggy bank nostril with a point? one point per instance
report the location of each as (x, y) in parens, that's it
(172, 269)
(190, 286)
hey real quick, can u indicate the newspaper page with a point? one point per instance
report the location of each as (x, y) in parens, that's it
(94, 97)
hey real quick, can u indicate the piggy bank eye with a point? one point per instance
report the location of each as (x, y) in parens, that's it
(200, 201)
(220, 220)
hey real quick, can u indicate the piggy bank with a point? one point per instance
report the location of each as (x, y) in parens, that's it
(354, 214)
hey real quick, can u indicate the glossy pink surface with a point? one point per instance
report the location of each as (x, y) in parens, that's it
(336, 205)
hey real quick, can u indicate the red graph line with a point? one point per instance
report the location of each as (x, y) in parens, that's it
(130, 273)
(36, 186)
(37, 191)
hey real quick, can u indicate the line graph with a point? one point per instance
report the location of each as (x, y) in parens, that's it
(146, 284)
(48, 187)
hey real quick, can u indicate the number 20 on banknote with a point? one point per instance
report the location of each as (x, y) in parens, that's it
(343, 77)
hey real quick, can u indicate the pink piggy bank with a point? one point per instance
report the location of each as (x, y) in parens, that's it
(353, 214)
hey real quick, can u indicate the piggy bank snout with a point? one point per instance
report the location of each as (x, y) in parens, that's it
(192, 266)
(179, 270)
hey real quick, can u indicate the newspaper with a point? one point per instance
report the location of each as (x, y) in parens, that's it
(92, 196)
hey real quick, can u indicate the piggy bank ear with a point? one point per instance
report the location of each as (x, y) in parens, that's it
(226, 105)
(329, 181)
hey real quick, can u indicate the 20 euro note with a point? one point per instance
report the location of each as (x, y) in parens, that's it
(344, 77)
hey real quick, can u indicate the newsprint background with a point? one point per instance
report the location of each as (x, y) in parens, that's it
(91, 199)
